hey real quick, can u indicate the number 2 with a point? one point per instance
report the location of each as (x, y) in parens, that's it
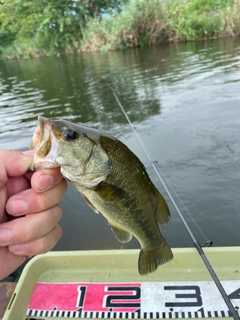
(117, 300)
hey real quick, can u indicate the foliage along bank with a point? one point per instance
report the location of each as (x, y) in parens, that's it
(41, 28)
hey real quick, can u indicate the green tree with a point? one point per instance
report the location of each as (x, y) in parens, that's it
(50, 24)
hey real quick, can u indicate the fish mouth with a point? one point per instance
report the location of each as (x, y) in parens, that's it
(44, 143)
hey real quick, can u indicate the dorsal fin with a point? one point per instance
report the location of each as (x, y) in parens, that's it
(162, 210)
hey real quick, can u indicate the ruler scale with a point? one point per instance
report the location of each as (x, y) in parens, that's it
(145, 300)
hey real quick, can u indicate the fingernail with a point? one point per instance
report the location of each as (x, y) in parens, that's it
(5, 236)
(29, 153)
(45, 182)
(17, 248)
(17, 206)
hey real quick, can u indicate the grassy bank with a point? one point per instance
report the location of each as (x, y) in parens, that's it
(144, 23)
(152, 22)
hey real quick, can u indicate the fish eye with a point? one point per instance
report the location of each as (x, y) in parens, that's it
(70, 135)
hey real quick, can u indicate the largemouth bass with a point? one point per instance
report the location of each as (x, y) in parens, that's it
(111, 179)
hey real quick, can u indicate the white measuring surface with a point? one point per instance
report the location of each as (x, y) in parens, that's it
(193, 299)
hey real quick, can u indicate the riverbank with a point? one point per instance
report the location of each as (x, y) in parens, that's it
(140, 23)
(151, 22)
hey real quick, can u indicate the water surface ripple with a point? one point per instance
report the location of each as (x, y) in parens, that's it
(184, 101)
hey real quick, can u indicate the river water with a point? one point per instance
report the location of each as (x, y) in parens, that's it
(184, 102)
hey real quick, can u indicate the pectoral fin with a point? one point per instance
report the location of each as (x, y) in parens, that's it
(121, 234)
(109, 192)
(163, 213)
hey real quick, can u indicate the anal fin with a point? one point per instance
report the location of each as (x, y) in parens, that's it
(121, 234)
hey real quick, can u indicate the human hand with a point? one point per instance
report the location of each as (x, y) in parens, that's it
(28, 209)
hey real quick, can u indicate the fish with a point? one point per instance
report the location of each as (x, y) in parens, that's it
(111, 179)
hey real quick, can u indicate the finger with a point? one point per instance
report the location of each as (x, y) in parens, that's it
(28, 175)
(29, 227)
(3, 199)
(16, 185)
(13, 164)
(9, 262)
(28, 201)
(41, 245)
(43, 180)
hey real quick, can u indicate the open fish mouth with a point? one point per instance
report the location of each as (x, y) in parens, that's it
(44, 143)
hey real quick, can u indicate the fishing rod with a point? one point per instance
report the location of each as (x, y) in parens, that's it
(228, 302)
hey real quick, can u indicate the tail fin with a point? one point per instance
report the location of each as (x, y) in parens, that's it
(149, 260)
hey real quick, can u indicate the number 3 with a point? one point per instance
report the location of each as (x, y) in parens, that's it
(196, 295)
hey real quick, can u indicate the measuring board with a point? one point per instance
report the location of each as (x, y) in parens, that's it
(193, 299)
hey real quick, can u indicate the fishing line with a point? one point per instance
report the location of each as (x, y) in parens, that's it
(232, 310)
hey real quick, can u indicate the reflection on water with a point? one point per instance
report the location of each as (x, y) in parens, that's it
(184, 102)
